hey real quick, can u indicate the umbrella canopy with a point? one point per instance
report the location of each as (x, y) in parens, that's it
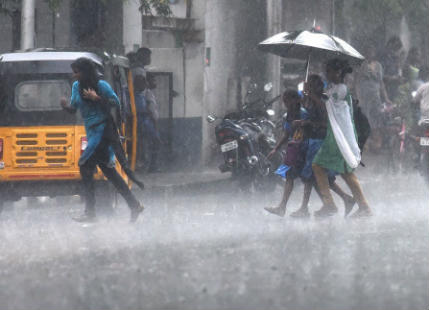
(314, 44)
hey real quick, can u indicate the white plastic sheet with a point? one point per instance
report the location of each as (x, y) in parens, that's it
(340, 118)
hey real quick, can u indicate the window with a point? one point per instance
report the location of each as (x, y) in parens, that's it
(41, 95)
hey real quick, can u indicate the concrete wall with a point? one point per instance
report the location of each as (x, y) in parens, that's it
(132, 25)
(5, 33)
(233, 29)
(183, 56)
(171, 60)
(179, 9)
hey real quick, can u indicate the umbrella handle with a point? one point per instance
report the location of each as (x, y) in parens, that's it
(307, 70)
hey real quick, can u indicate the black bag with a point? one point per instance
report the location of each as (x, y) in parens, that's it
(363, 128)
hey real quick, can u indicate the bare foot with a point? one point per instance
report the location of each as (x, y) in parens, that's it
(326, 211)
(301, 213)
(279, 210)
(360, 213)
(349, 202)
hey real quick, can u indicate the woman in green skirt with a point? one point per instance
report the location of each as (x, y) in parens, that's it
(339, 151)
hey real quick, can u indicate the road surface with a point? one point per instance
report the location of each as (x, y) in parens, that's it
(220, 250)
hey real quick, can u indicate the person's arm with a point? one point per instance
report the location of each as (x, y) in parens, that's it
(72, 107)
(321, 106)
(66, 107)
(283, 140)
(106, 96)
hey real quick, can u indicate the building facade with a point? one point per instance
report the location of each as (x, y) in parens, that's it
(203, 57)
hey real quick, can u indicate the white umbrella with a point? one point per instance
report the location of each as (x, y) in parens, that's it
(310, 44)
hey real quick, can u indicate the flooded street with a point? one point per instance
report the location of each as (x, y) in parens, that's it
(208, 102)
(207, 250)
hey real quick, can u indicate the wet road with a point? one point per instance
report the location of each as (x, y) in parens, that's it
(207, 251)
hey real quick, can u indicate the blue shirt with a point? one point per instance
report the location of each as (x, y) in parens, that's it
(141, 105)
(94, 117)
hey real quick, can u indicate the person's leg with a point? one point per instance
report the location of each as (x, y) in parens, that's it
(286, 192)
(140, 145)
(353, 183)
(348, 200)
(154, 150)
(280, 210)
(329, 207)
(303, 211)
(153, 144)
(113, 176)
(112, 137)
(87, 174)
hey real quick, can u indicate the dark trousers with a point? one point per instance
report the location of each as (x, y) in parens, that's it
(148, 143)
(141, 145)
(154, 146)
(87, 170)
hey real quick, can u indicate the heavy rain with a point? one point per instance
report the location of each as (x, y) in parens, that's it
(214, 154)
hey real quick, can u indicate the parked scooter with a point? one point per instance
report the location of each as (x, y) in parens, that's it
(258, 114)
(245, 139)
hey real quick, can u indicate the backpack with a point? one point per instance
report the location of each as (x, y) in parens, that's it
(294, 150)
(363, 128)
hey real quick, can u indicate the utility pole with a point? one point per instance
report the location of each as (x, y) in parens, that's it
(132, 25)
(28, 24)
(333, 17)
(274, 25)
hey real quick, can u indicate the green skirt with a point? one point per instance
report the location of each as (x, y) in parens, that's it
(329, 155)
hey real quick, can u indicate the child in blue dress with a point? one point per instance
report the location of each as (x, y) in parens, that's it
(293, 136)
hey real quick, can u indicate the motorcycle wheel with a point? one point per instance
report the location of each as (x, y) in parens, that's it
(266, 184)
(265, 180)
(244, 178)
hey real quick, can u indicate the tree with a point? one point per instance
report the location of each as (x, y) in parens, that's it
(161, 7)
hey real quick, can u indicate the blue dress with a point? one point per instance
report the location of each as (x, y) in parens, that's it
(284, 170)
(94, 117)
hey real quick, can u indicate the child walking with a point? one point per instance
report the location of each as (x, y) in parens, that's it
(293, 136)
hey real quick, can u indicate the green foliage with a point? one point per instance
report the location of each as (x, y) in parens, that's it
(161, 7)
